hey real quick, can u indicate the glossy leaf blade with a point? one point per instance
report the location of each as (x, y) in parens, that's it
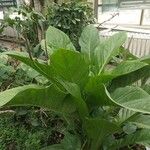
(56, 39)
(108, 49)
(127, 67)
(146, 59)
(125, 115)
(40, 67)
(132, 98)
(88, 41)
(146, 88)
(48, 97)
(141, 121)
(80, 104)
(70, 66)
(97, 130)
(96, 91)
(129, 79)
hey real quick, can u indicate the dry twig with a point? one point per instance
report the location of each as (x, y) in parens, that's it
(113, 16)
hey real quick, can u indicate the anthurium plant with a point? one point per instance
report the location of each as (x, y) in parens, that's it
(94, 89)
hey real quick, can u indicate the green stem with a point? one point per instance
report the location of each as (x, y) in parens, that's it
(28, 48)
(96, 144)
(46, 51)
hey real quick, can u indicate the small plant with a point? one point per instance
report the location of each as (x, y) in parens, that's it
(98, 99)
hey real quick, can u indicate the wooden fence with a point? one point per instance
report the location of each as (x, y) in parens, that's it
(137, 43)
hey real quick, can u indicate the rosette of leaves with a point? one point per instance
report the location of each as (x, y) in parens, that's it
(90, 91)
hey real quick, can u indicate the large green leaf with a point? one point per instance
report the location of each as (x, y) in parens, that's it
(80, 104)
(95, 88)
(125, 115)
(130, 78)
(70, 66)
(141, 121)
(132, 98)
(97, 130)
(48, 97)
(146, 87)
(127, 67)
(146, 59)
(111, 47)
(126, 54)
(96, 91)
(56, 39)
(89, 40)
(37, 65)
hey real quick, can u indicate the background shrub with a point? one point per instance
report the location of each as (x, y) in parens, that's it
(71, 18)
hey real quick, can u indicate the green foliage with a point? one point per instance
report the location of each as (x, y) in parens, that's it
(28, 129)
(13, 74)
(82, 89)
(70, 142)
(140, 137)
(88, 41)
(28, 24)
(58, 39)
(70, 17)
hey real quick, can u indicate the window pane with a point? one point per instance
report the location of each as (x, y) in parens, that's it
(99, 1)
(109, 5)
(125, 17)
(1, 14)
(134, 4)
(146, 19)
(7, 3)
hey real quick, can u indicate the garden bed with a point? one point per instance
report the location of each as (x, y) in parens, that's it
(72, 90)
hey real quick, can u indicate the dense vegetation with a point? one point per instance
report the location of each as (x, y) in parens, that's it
(30, 31)
(71, 90)
(93, 91)
(70, 17)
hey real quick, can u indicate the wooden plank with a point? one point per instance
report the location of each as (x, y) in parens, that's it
(96, 9)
